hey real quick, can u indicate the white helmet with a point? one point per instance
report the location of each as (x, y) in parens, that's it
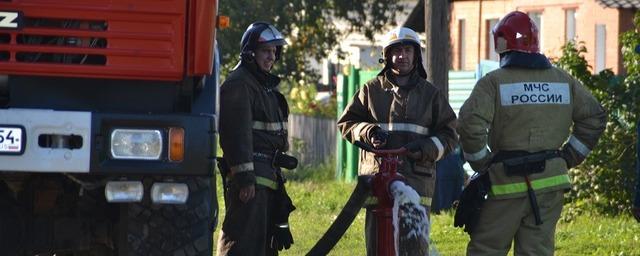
(402, 35)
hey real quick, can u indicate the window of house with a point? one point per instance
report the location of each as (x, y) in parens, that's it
(537, 19)
(601, 37)
(491, 47)
(461, 43)
(570, 24)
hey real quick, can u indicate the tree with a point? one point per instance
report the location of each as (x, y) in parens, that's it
(437, 30)
(308, 25)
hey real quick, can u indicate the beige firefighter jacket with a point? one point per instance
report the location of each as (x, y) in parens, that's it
(532, 110)
(416, 113)
(253, 119)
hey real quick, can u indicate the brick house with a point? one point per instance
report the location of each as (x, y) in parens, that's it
(596, 22)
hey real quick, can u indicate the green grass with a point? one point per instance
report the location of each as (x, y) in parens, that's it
(319, 199)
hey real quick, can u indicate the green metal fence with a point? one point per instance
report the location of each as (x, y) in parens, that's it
(460, 85)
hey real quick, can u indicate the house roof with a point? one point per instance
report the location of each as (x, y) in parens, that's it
(415, 20)
(620, 3)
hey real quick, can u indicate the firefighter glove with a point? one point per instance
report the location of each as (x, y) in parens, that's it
(282, 238)
(281, 235)
(571, 156)
(378, 137)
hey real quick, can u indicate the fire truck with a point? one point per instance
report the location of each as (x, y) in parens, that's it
(108, 127)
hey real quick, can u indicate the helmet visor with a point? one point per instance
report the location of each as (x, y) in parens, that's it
(271, 36)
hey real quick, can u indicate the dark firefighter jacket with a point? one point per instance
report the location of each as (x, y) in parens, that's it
(529, 110)
(253, 120)
(417, 113)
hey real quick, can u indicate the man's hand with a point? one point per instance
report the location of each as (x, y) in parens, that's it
(636, 213)
(379, 138)
(246, 181)
(247, 193)
(571, 157)
(377, 144)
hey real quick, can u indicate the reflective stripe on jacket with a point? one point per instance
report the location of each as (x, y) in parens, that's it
(532, 110)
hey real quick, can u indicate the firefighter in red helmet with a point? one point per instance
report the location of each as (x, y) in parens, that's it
(253, 135)
(516, 32)
(525, 125)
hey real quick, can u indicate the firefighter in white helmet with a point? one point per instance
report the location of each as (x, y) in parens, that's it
(399, 108)
(525, 125)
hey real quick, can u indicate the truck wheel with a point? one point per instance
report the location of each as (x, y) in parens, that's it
(11, 225)
(164, 229)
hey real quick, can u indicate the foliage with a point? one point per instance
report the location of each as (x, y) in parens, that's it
(313, 173)
(604, 182)
(302, 100)
(329, 108)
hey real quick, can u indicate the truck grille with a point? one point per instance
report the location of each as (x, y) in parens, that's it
(95, 38)
(61, 41)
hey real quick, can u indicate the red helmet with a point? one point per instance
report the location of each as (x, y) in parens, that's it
(516, 32)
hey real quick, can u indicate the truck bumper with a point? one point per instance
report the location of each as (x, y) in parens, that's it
(93, 156)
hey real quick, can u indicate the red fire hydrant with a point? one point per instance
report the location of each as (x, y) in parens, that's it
(381, 184)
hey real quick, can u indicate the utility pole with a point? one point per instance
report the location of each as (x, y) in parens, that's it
(437, 49)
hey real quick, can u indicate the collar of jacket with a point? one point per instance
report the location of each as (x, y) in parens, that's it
(388, 77)
(266, 79)
(524, 60)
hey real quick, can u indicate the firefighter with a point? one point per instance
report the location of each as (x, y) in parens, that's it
(399, 108)
(253, 133)
(525, 124)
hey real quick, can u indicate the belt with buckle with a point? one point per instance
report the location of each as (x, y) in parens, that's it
(263, 157)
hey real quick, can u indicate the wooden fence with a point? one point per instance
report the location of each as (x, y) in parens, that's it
(312, 140)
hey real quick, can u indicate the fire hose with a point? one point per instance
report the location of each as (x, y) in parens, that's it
(344, 219)
(380, 183)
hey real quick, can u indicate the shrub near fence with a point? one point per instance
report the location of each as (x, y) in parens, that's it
(312, 139)
(604, 182)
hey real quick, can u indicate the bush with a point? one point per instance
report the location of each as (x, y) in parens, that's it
(605, 181)
(302, 100)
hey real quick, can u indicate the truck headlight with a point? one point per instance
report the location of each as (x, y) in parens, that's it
(123, 191)
(169, 193)
(136, 144)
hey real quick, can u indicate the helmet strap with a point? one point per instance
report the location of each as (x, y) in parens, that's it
(247, 58)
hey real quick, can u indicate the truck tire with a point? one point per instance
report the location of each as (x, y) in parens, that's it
(165, 229)
(11, 224)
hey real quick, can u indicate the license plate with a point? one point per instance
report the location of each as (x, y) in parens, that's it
(11, 140)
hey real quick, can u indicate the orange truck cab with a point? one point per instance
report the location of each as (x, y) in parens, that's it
(108, 125)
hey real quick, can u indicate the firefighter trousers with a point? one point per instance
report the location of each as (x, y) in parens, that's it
(506, 221)
(247, 226)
